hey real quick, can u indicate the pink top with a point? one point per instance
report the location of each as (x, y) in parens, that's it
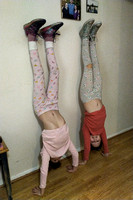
(55, 144)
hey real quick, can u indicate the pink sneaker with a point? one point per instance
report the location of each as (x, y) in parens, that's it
(34, 26)
(48, 33)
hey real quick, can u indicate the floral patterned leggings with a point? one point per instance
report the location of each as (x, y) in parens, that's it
(44, 100)
(91, 83)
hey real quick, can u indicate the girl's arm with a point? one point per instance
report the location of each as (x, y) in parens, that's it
(105, 143)
(75, 158)
(43, 173)
(87, 146)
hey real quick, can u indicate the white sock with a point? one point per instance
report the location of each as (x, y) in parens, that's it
(49, 44)
(32, 45)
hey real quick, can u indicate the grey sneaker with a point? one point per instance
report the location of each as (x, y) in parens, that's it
(94, 30)
(85, 30)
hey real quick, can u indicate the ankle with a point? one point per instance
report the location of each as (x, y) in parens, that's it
(31, 37)
(48, 38)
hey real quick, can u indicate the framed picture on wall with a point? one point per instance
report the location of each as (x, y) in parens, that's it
(92, 6)
(71, 9)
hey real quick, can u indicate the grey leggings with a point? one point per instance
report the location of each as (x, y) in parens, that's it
(91, 83)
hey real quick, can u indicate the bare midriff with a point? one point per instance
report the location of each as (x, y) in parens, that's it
(52, 120)
(93, 105)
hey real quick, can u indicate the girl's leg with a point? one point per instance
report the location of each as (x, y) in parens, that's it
(52, 91)
(86, 86)
(39, 96)
(48, 34)
(96, 69)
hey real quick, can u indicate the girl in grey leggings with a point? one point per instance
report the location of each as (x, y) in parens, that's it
(91, 80)
(91, 92)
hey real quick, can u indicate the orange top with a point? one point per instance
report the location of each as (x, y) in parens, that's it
(3, 148)
(94, 125)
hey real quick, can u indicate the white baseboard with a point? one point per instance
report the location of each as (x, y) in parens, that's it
(120, 132)
(78, 149)
(22, 174)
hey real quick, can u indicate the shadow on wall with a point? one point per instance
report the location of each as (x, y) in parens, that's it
(125, 79)
(130, 1)
(81, 105)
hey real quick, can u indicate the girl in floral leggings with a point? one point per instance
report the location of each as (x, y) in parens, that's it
(90, 92)
(55, 136)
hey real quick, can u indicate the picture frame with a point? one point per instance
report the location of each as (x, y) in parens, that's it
(92, 6)
(71, 9)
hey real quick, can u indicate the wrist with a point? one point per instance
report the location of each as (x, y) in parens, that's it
(42, 190)
(85, 161)
(105, 154)
(74, 166)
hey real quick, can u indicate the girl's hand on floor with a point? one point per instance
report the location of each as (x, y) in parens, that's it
(82, 162)
(105, 154)
(38, 191)
(71, 168)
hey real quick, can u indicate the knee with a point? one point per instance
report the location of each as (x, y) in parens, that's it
(89, 66)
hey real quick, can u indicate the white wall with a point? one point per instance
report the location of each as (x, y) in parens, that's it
(19, 126)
